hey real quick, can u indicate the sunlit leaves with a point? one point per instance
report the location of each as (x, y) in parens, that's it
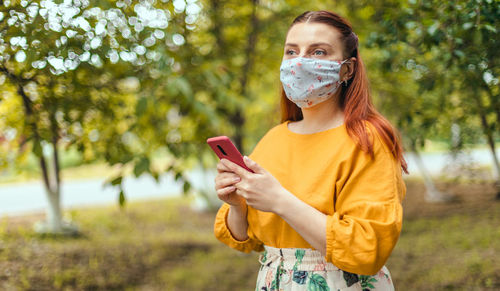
(447, 47)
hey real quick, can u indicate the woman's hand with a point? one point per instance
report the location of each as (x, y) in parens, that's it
(224, 185)
(264, 192)
(260, 189)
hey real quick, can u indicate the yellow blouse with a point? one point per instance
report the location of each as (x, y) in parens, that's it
(361, 196)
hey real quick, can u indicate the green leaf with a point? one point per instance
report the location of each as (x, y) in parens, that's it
(37, 148)
(116, 181)
(299, 254)
(365, 281)
(317, 283)
(490, 28)
(299, 277)
(156, 176)
(186, 187)
(141, 106)
(141, 167)
(184, 87)
(459, 53)
(121, 199)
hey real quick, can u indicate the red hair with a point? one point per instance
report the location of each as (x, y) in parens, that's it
(355, 99)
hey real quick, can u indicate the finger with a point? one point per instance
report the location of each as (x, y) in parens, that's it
(251, 164)
(235, 168)
(221, 167)
(225, 175)
(226, 180)
(221, 193)
(221, 179)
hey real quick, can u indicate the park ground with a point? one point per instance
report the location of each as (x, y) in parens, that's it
(165, 245)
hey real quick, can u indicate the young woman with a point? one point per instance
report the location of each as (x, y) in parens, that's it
(324, 203)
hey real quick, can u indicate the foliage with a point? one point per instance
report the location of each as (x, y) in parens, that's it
(100, 77)
(445, 55)
(129, 81)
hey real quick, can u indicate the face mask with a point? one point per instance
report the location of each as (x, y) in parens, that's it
(308, 82)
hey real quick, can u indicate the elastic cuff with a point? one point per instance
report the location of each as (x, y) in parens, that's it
(229, 231)
(330, 237)
(223, 233)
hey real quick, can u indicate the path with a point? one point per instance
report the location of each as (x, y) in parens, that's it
(16, 199)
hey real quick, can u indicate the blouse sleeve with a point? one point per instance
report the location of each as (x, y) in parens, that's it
(367, 220)
(223, 233)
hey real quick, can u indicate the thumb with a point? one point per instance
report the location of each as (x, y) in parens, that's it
(253, 165)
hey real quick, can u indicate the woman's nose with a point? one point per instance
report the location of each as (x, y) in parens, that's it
(302, 55)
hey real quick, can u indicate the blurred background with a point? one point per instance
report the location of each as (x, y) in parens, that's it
(106, 181)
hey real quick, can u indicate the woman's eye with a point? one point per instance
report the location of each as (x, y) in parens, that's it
(290, 52)
(319, 53)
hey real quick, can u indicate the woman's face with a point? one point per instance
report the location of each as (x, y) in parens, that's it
(313, 40)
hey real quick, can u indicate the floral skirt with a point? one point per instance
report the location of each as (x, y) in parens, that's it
(306, 269)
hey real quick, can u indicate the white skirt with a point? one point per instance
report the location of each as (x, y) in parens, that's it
(292, 269)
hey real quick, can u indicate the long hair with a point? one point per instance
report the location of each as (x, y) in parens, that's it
(355, 99)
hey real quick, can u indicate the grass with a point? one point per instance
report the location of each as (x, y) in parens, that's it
(155, 245)
(164, 245)
(451, 253)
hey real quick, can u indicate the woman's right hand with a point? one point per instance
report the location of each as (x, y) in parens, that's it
(224, 186)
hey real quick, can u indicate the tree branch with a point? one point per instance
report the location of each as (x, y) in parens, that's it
(55, 140)
(238, 118)
(14, 78)
(217, 29)
(250, 49)
(29, 117)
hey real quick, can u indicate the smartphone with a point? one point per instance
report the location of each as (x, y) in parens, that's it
(225, 149)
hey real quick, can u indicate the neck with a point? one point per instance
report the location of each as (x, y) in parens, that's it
(322, 116)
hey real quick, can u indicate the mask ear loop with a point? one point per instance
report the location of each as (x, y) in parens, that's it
(344, 83)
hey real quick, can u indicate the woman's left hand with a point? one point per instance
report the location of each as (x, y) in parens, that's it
(260, 189)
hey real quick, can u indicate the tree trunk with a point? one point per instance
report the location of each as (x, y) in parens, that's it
(51, 181)
(54, 215)
(217, 28)
(238, 117)
(494, 100)
(490, 140)
(491, 145)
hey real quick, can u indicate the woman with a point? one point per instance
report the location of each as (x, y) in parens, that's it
(324, 201)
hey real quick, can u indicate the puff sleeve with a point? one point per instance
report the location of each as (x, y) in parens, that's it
(223, 233)
(367, 218)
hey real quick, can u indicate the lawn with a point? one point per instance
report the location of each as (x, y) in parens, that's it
(164, 245)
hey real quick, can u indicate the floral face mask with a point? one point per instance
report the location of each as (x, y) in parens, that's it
(308, 81)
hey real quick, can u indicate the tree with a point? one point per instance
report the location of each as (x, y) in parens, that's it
(80, 71)
(449, 51)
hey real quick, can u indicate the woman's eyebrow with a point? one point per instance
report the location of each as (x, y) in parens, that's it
(313, 44)
(322, 43)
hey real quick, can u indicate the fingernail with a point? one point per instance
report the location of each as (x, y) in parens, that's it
(237, 179)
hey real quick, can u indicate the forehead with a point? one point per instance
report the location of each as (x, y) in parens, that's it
(307, 33)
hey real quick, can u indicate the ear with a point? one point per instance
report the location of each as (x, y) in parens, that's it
(347, 71)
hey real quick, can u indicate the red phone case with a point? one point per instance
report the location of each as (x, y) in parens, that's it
(225, 149)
